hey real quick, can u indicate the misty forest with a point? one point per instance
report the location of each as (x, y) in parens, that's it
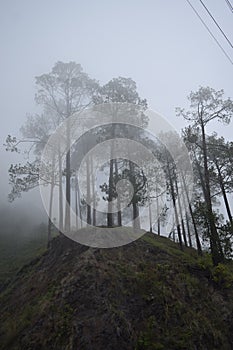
(170, 289)
(117, 224)
(205, 224)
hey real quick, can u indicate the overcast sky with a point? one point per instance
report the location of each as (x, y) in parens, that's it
(161, 44)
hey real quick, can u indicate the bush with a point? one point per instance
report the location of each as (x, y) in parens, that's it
(222, 276)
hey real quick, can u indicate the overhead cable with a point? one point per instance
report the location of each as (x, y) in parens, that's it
(209, 31)
(216, 23)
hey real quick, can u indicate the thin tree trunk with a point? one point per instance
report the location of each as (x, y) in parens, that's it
(68, 177)
(216, 249)
(110, 218)
(60, 192)
(158, 213)
(93, 195)
(119, 214)
(79, 205)
(88, 191)
(181, 214)
(188, 229)
(150, 216)
(51, 205)
(226, 202)
(76, 202)
(136, 217)
(186, 214)
(174, 206)
(199, 249)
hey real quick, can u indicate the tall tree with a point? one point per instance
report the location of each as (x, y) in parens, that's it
(220, 155)
(206, 105)
(119, 90)
(64, 91)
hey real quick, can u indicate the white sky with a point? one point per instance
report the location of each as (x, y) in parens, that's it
(161, 44)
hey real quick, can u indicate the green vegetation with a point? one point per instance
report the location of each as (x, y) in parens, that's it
(17, 251)
(146, 295)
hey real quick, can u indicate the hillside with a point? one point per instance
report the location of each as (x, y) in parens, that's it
(15, 253)
(146, 295)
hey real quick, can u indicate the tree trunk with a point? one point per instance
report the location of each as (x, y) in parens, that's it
(181, 214)
(136, 217)
(88, 192)
(110, 216)
(186, 214)
(226, 202)
(79, 205)
(158, 213)
(68, 177)
(199, 249)
(150, 216)
(93, 195)
(216, 249)
(119, 214)
(201, 177)
(110, 219)
(51, 205)
(76, 202)
(60, 192)
(188, 229)
(174, 206)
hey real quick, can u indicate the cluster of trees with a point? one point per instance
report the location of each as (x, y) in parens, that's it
(213, 164)
(64, 91)
(197, 219)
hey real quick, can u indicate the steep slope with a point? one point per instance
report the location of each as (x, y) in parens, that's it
(146, 295)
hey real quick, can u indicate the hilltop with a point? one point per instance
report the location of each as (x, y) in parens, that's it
(146, 295)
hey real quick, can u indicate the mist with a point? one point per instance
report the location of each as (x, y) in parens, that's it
(164, 49)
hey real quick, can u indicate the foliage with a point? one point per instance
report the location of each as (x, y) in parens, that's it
(223, 276)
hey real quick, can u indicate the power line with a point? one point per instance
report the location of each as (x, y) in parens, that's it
(229, 5)
(209, 31)
(209, 13)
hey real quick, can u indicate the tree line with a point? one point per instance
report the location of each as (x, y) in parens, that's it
(198, 218)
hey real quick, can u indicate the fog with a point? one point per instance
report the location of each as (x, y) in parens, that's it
(162, 45)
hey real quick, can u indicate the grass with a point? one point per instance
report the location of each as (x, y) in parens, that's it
(162, 297)
(15, 252)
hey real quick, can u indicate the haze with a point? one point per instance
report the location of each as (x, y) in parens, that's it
(160, 44)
